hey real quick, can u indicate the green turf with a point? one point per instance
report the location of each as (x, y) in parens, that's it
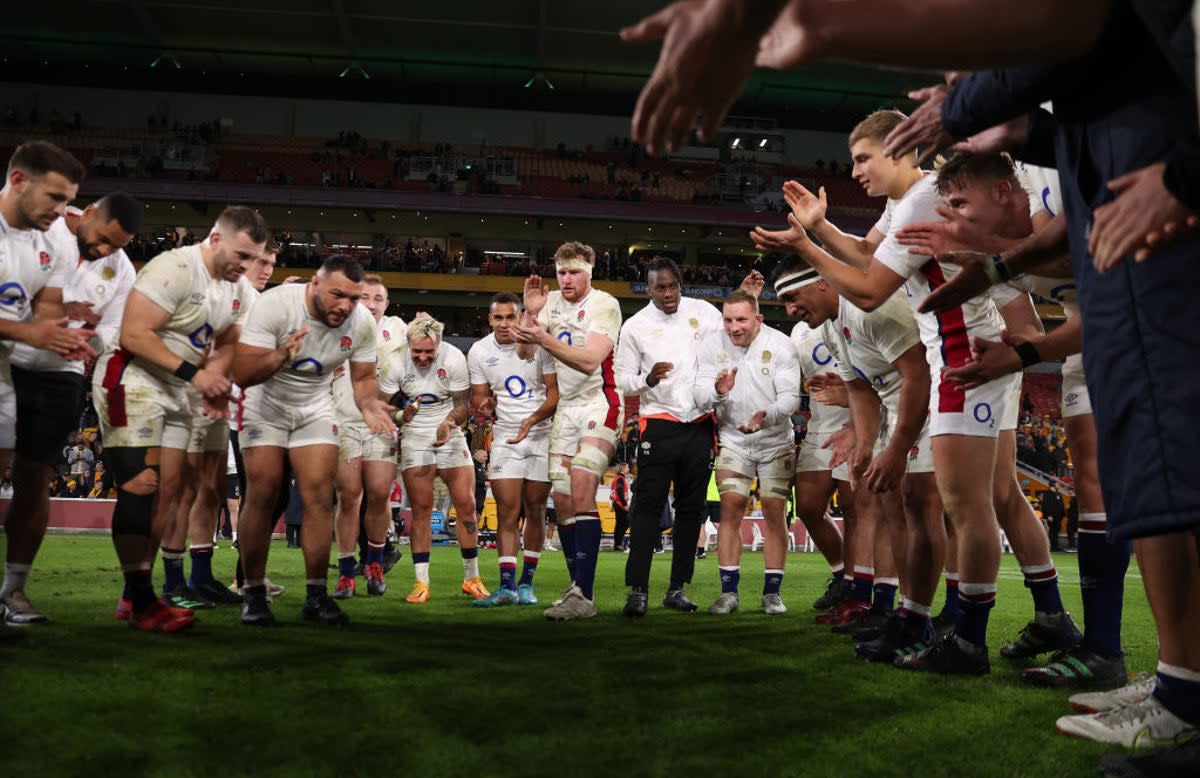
(446, 689)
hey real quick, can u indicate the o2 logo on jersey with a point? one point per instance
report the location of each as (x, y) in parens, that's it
(516, 387)
(201, 335)
(816, 355)
(565, 337)
(1046, 201)
(12, 293)
(345, 344)
(427, 399)
(308, 365)
(44, 261)
(983, 414)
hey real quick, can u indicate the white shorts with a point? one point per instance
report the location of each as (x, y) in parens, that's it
(208, 435)
(595, 418)
(418, 451)
(355, 440)
(137, 409)
(263, 425)
(528, 460)
(920, 456)
(1075, 398)
(812, 458)
(8, 407)
(771, 465)
(977, 412)
(1013, 409)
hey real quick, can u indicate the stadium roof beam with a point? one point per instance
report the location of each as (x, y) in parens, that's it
(152, 31)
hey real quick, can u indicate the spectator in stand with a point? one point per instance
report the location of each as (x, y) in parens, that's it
(6, 487)
(81, 458)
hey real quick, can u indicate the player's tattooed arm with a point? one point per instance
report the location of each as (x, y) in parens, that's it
(457, 418)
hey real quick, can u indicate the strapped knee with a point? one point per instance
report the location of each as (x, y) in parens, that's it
(780, 488)
(734, 484)
(560, 479)
(590, 459)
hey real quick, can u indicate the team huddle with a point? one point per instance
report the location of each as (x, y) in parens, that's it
(913, 400)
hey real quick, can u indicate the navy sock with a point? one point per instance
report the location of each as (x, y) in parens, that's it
(772, 581)
(838, 575)
(950, 607)
(1180, 696)
(730, 578)
(975, 602)
(201, 565)
(508, 573)
(172, 569)
(139, 588)
(566, 539)
(863, 584)
(529, 568)
(374, 553)
(587, 551)
(1102, 567)
(315, 589)
(346, 566)
(1042, 582)
(419, 557)
(885, 595)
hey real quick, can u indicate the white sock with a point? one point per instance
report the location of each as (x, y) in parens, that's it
(235, 535)
(421, 571)
(1175, 671)
(471, 568)
(14, 578)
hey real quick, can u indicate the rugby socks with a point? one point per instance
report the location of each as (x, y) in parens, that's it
(201, 564)
(566, 539)
(772, 581)
(1102, 567)
(1042, 582)
(139, 589)
(375, 552)
(421, 566)
(316, 587)
(884, 591)
(950, 607)
(1178, 689)
(864, 581)
(346, 564)
(14, 578)
(529, 567)
(838, 573)
(470, 559)
(587, 550)
(730, 578)
(915, 613)
(508, 573)
(172, 569)
(975, 601)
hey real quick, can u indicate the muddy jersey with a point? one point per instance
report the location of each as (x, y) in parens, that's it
(431, 389)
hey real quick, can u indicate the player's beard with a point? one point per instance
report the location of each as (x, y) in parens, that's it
(323, 312)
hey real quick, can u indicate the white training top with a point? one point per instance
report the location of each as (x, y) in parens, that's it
(768, 379)
(431, 389)
(815, 359)
(867, 345)
(651, 336)
(201, 307)
(947, 335)
(277, 314)
(571, 323)
(30, 261)
(103, 282)
(516, 383)
(390, 335)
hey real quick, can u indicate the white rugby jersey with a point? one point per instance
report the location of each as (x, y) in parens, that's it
(867, 345)
(947, 335)
(30, 261)
(816, 359)
(570, 323)
(103, 282)
(237, 395)
(1045, 195)
(277, 314)
(516, 383)
(389, 335)
(768, 379)
(651, 336)
(431, 389)
(201, 307)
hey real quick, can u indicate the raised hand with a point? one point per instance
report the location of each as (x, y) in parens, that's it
(725, 380)
(790, 240)
(922, 131)
(291, 346)
(809, 209)
(535, 294)
(753, 283)
(657, 373)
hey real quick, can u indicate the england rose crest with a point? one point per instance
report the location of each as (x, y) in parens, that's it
(579, 316)
(44, 259)
(346, 343)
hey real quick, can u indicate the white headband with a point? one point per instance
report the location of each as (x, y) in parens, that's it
(792, 281)
(574, 264)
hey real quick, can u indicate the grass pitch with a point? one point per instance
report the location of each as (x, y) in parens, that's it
(446, 689)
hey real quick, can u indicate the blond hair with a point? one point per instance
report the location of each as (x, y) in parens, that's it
(876, 127)
(425, 327)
